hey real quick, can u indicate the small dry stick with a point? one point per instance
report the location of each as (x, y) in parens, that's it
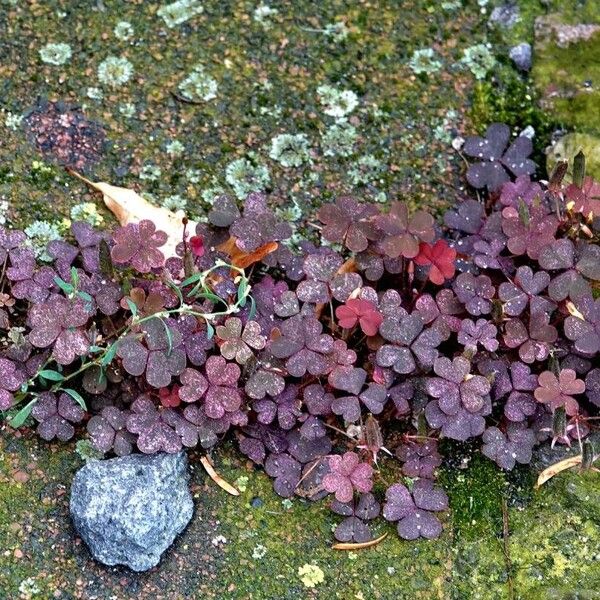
(505, 535)
(217, 478)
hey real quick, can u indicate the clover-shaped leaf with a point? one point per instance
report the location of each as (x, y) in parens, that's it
(56, 416)
(496, 158)
(415, 513)
(440, 260)
(559, 391)
(353, 528)
(286, 471)
(347, 474)
(403, 232)
(11, 379)
(348, 222)
(363, 312)
(506, 449)
(108, 431)
(138, 244)
(239, 339)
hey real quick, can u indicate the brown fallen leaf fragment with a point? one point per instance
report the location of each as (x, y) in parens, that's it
(359, 545)
(217, 478)
(129, 207)
(241, 259)
(557, 468)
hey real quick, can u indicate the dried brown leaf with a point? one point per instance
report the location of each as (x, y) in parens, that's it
(557, 468)
(129, 207)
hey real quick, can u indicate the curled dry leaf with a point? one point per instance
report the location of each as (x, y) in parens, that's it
(242, 259)
(217, 478)
(557, 468)
(359, 545)
(129, 207)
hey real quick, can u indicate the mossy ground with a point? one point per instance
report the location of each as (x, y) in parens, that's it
(267, 79)
(252, 546)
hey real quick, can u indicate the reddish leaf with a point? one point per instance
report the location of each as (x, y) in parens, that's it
(441, 259)
(359, 311)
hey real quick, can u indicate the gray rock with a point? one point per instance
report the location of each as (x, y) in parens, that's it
(505, 15)
(521, 56)
(129, 510)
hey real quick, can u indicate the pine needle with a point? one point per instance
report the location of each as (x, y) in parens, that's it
(360, 545)
(217, 478)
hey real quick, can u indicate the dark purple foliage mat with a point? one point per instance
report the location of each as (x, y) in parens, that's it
(323, 361)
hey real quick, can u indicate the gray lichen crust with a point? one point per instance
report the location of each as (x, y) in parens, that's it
(129, 510)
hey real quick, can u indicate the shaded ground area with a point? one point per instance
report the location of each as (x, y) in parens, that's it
(252, 75)
(254, 545)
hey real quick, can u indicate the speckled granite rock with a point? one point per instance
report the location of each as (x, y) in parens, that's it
(506, 15)
(521, 56)
(129, 510)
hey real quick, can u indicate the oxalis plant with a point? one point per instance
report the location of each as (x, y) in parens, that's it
(326, 362)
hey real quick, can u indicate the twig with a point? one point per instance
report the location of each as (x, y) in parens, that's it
(2, 275)
(360, 545)
(506, 548)
(217, 478)
(312, 468)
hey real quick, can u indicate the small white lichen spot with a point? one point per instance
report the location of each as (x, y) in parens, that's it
(450, 5)
(13, 121)
(246, 177)
(339, 139)
(311, 575)
(366, 169)
(198, 85)
(290, 150)
(175, 148)
(220, 539)
(150, 172)
(94, 93)
(127, 109)
(458, 142)
(3, 211)
(337, 103)
(424, 61)
(28, 588)
(123, 30)
(179, 12)
(337, 31)
(115, 71)
(56, 54)
(258, 552)
(479, 60)
(88, 212)
(263, 14)
(210, 194)
(174, 203)
(39, 233)
(241, 483)
(289, 213)
(193, 175)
